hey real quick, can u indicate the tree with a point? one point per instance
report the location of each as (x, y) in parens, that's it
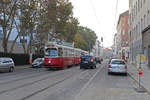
(79, 42)
(8, 13)
(88, 36)
(27, 21)
(57, 21)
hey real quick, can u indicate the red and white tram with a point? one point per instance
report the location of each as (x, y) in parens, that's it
(58, 56)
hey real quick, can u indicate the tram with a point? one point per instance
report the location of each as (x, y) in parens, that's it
(59, 56)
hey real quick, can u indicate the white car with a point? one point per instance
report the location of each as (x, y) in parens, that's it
(117, 66)
(39, 62)
(6, 64)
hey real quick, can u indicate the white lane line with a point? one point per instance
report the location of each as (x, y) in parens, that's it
(85, 86)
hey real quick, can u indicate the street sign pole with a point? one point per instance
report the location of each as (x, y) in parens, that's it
(139, 71)
(140, 89)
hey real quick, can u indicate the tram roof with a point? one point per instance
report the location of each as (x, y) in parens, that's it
(57, 45)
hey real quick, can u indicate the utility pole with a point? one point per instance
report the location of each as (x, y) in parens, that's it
(102, 46)
(31, 38)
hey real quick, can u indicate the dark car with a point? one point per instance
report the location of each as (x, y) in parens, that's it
(87, 62)
(39, 62)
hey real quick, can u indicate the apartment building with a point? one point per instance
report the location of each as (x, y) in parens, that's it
(139, 13)
(115, 45)
(122, 34)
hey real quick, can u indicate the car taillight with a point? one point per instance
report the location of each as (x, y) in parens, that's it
(109, 66)
(92, 60)
(125, 67)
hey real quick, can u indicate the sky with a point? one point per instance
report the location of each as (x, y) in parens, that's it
(100, 16)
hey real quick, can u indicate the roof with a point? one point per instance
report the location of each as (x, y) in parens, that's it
(117, 60)
(122, 14)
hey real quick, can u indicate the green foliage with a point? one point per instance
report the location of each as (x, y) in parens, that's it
(88, 38)
(58, 21)
(53, 20)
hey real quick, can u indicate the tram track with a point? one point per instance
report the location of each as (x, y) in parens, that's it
(34, 75)
(51, 85)
(33, 82)
(27, 77)
(18, 74)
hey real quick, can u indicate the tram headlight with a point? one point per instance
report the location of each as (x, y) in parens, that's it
(49, 61)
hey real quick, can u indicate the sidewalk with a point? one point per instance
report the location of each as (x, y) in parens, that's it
(133, 71)
(22, 67)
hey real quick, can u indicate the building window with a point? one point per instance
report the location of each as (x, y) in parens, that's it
(144, 1)
(144, 23)
(123, 32)
(148, 17)
(136, 8)
(141, 25)
(141, 3)
(138, 5)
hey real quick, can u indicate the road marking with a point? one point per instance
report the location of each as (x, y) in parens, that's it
(85, 86)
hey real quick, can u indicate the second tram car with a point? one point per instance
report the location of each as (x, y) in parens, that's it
(58, 56)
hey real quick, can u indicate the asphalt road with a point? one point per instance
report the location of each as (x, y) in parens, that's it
(68, 84)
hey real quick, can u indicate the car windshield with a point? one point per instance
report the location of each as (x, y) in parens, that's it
(1, 59)
(52, 52)
(85, 58)
(38, 60)
(118, 62)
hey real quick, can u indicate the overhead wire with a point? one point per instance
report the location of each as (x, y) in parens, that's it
(116, 11)
(92, 5)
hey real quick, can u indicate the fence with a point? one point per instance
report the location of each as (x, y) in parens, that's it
(20, 59)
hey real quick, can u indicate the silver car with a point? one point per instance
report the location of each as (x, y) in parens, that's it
(117, 66)
(6, 64)
(39, 62)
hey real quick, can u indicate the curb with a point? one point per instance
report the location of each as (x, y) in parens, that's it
(22, 67)
(142, 85)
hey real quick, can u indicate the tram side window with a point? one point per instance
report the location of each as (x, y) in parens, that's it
(72, 52)
(76, 53)
(65, 52)
(52, 52)
(60, 52)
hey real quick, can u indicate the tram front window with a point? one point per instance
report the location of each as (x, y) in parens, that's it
(52, 52)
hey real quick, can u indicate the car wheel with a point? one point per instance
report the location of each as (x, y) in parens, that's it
(92, 67)
(11, 69)
(125, 74)
(109, 73)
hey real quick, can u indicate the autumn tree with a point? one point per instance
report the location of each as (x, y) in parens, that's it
(88, 38)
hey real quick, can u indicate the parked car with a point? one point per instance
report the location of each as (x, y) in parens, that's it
(117, 66)
(6, 64)
(87, 62)
(39, 62)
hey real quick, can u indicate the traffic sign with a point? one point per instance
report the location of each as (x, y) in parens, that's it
(140, 71)
(140, 61)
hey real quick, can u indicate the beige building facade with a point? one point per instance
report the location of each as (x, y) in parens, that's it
(139, 19)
